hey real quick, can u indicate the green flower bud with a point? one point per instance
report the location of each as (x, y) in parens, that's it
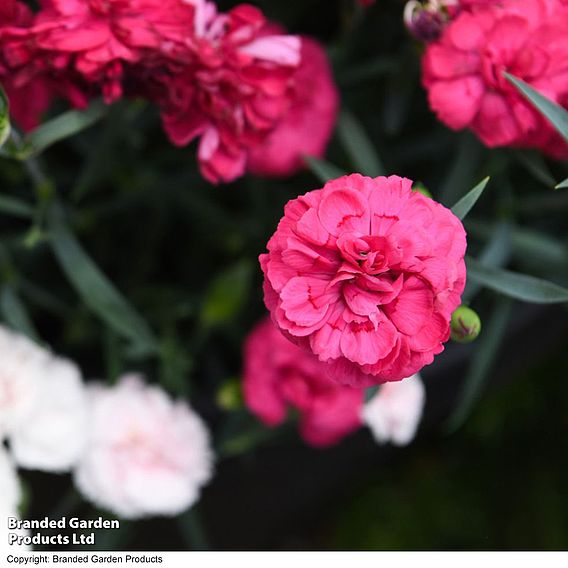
(465, 325)
(421, 188)
(230, 395)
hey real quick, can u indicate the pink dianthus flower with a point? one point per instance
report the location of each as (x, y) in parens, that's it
(365, 273)
(278, 375)
(307, 126)
(463, 71)
(233, 92)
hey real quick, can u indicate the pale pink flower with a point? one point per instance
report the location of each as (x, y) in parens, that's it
(394, 413)
(42, 405)
(146, 455)
(54, 437)
(22, 365)
(365, 273)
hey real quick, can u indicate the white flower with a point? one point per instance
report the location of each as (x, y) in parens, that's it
(146, 455)
(394, 413)
(54, 439)
(21, 373)
(42, 405)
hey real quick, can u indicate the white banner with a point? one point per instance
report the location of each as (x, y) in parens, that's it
(287, 559)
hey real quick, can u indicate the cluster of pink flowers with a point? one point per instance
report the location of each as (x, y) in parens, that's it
(230, 79)
(365, 273)
(463, 71)
(279, 375)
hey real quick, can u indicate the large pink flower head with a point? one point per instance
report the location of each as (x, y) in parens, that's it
(278, 375)
(366, 273)
(463, 71)
(233, 91)
(306, 128)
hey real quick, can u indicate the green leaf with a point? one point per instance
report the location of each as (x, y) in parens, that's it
(96, 291)
(481, 363)
(227, 294)
(557, 116)
(15, 207)
(191, 527)
(515, 285)
(61, 127)
(496, 253)
(534, 163)
(358, 146)
(5, 127)
(562, 184)
(15, 313)
(527, 245)
(464, 205)
(323, 170)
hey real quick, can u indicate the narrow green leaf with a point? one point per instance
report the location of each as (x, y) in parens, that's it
(527, 245)
(464, 205)
(4, 117)
(515, 285)
(496, 253)
(562, 184)
(557, 116)
(63, 126)
(323, 170)
(481, 363)
(358, 146)
(227, 294)
(192, 530)
(98, 293)
(15, 313)
(15, 207)
(534, 163)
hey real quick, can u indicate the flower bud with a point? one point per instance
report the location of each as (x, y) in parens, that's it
(465, 325)
(230, 395)
(421, 188)
(425, 21)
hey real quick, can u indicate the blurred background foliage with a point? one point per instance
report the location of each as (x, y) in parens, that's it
(184, 254)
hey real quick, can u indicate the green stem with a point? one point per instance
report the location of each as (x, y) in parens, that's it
(192, 530)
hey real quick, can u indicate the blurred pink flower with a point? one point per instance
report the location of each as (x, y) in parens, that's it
(394, 413)
(279, 375)
(306, 128)
(89, 42)
(365, 273)
(463, 71)
(29, 98)
(146, 454)
(233, 92)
